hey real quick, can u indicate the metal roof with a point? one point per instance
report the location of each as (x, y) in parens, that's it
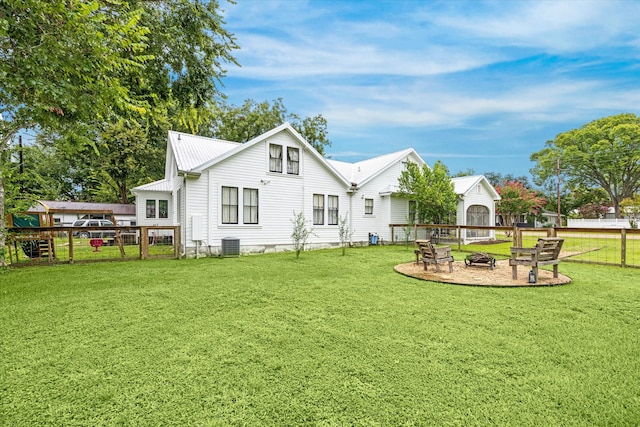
(66, 206)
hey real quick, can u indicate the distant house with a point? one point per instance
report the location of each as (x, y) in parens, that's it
(65, 213)
(476, 206)
(217, 189)
(550, 218)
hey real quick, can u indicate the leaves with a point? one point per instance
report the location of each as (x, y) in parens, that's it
(432, 190)
(604, 153)
(516, 200)
(252, 118)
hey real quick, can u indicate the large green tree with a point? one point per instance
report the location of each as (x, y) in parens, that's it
(77, 68)
(604, 153)
(252, 118)
(431, 188)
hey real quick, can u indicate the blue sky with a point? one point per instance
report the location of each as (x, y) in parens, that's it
(477, 85)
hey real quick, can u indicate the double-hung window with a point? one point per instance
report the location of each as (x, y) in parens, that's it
(275, 158)
(151, 208)
(250, 205)
(163, 209)
(332, 210)
(293, 161)
(368, 206)
(318, 209)
(159, 210)
(229, 205)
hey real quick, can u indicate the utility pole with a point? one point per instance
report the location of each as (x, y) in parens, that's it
(558, 177)
(21, 164)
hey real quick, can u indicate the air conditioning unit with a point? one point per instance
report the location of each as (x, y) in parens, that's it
(230, 247)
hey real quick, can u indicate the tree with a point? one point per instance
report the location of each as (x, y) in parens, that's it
(604, 153)
(71, 66)
(631, 209)
(251, 119)
(516, 200)
(432, 190)
(300, 233)
(344, 232)
(592, 210)
(57, 62)
(496, 179)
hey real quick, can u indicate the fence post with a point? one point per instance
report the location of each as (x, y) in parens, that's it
(70, 234)
(459, 238)
(144, 242)
(623, 247)
(176, 242)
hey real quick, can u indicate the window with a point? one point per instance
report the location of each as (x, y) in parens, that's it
(163, 209)
(413, 211)
(275, 158)
(368, 206)
(151, 208)
(229, 205)
(250, 205)
(293, 161)
(318, 209)
(332, 210)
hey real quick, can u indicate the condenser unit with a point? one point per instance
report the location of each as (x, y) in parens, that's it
(230, 247)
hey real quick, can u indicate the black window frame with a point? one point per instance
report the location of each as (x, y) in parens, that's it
(228, 208)
(318, 209)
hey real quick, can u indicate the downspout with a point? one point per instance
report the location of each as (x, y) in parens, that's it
(184, 215)
(352, 192)
(209, 227)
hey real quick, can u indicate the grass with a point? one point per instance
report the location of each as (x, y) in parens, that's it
(323, 340)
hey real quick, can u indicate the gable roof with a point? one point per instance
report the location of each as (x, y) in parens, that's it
(361, 172)
(462, 185)
(191, 151)
(193, 154)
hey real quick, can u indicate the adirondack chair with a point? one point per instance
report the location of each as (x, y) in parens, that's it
(545, 252)
(437, 256)
(418, 250)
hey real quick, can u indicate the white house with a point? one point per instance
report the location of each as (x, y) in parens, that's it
(476, 205)
(218, 189)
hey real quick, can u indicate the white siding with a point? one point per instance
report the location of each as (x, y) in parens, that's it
(382, 205)
(141, 207)
(279, 195)
(477, 196)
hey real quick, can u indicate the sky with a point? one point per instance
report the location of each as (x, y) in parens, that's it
(477, 85)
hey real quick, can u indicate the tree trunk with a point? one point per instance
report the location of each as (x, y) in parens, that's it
(2, 225)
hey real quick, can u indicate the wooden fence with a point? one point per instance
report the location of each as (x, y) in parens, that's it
(48, 245)
(609, 246)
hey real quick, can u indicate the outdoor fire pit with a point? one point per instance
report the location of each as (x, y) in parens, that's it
(480, 258)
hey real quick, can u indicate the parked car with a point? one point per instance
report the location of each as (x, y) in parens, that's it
(94, 234)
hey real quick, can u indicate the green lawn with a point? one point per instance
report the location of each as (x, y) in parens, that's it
(323, 340)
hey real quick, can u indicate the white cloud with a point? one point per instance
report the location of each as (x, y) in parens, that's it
(556, 26)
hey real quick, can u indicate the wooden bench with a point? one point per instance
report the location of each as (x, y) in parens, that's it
(437, 256)
(545, 252)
